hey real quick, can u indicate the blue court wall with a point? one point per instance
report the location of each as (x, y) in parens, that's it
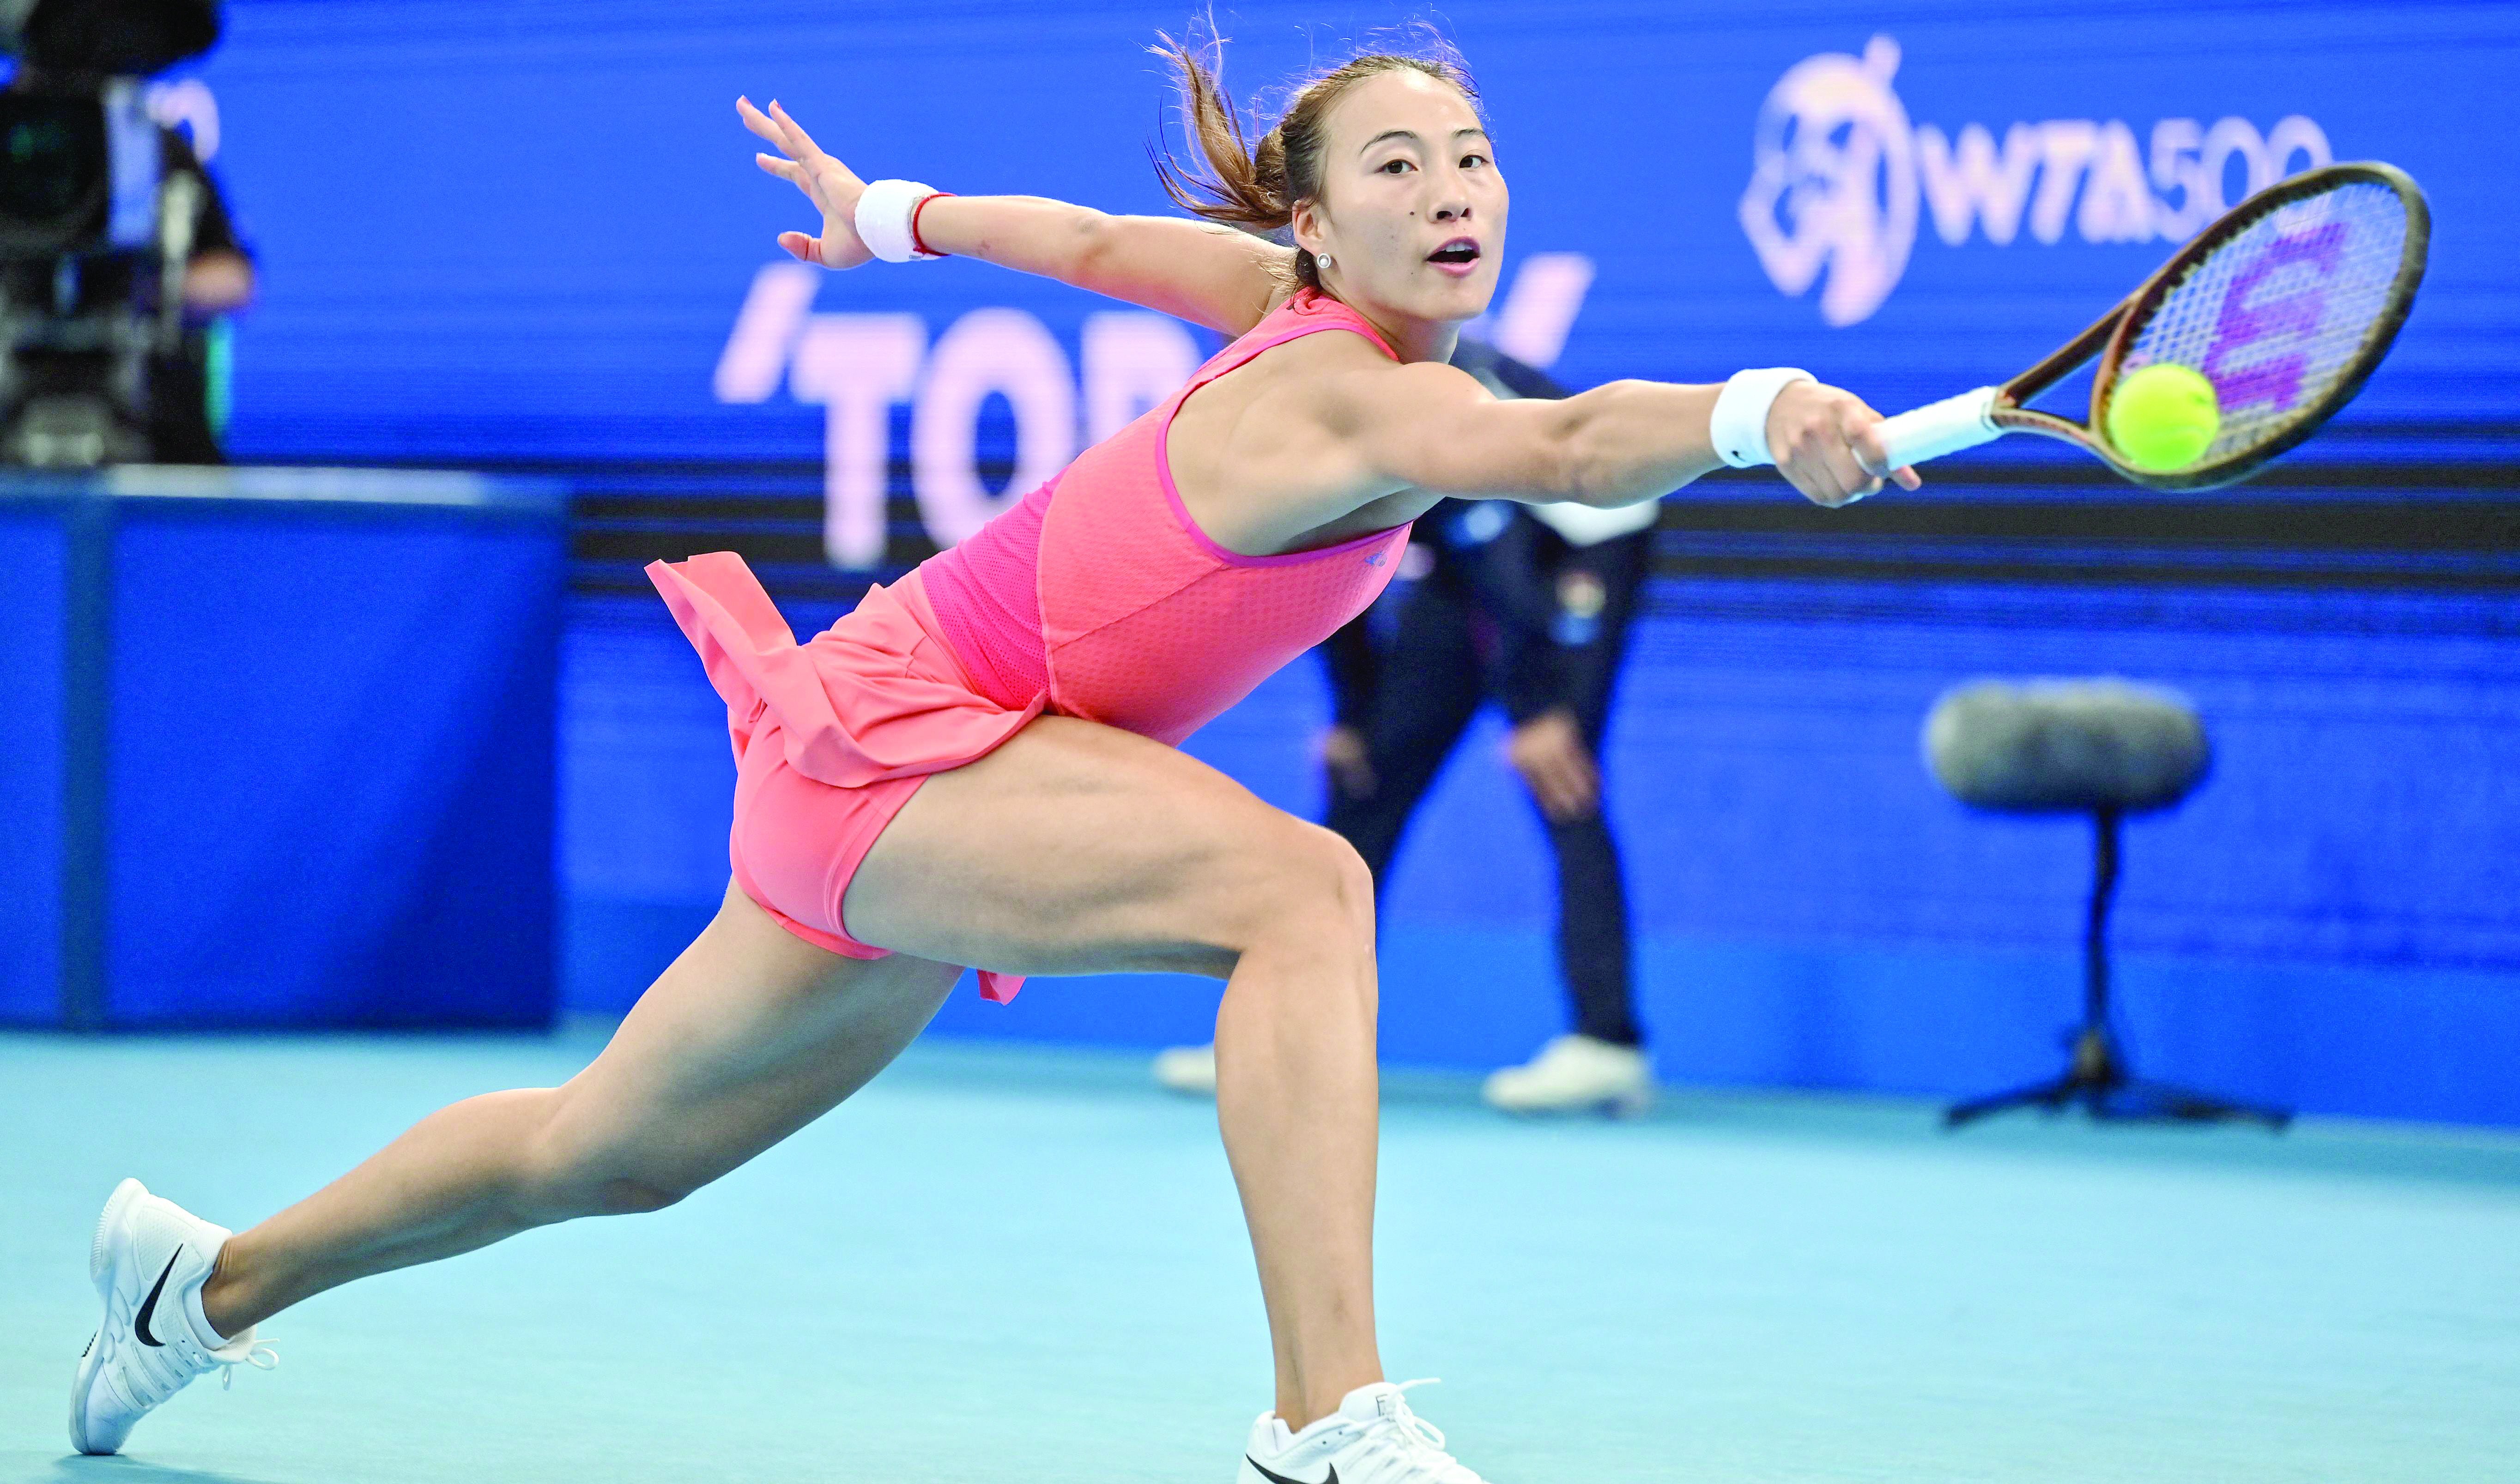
(331, 770)
(277, 750)
(34, 550)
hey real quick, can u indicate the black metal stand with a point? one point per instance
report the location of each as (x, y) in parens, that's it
(2098, 1077)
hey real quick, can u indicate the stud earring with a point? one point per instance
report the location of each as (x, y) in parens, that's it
(1326, 261)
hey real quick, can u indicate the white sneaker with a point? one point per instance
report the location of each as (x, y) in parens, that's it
(1373, 1438)
(1576, 1074)
(148, 1262)
(1188, 1069)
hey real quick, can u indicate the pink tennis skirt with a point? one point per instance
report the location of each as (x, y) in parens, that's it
(832, 737)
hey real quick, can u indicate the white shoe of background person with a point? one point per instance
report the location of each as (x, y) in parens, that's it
(1576, 1074)
(148, 1262)
(1373, 1438)
(1188, 1069)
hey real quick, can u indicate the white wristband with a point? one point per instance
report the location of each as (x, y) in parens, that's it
(885, 210)
(1741, 422)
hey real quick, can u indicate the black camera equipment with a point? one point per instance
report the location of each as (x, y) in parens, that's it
(95, 234)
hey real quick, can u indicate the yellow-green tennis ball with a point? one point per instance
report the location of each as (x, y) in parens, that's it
(2163, 417)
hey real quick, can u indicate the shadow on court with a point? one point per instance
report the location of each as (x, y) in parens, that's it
(75, 1469)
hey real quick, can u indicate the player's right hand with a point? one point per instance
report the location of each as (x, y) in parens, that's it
(1825, 442)
(833, 187)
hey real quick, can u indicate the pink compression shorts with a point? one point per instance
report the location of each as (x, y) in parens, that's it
(832, 737)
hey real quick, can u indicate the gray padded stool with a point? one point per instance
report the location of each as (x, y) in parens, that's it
(2102, 748)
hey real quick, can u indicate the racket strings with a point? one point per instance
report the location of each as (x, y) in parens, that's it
(2280, 314)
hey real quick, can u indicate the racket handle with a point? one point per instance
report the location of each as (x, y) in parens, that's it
(1941, 427)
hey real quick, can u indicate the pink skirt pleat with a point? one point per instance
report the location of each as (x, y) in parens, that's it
(875, 701)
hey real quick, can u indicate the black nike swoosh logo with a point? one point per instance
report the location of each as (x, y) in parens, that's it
(1274, 1477)
(141, 1324)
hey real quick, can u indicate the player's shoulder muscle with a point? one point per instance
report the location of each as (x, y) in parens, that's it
(1354, 418)
(1356, 390)
(1385, 414)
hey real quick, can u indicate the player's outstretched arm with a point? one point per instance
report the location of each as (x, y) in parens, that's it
(1208, 274)
(1436, 428)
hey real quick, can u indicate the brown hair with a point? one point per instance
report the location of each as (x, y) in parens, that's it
(1257, 187)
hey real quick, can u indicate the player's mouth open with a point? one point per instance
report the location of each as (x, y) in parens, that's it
(1458, 257)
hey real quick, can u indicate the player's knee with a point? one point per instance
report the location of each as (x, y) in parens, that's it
(1318, 890)
(571, 1170)
(1349, 888)
(568, 1187)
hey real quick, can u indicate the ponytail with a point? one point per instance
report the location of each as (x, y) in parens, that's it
(1243, 186)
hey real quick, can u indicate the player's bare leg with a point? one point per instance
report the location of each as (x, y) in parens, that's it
(1163, 863)
(749, 1036)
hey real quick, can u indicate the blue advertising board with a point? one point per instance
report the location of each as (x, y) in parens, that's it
(532, 235)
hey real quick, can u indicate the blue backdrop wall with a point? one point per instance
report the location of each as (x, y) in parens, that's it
(502, 230)
(529, 237)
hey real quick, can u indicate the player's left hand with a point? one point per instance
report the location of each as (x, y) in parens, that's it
(832, 186)
(1826, 441)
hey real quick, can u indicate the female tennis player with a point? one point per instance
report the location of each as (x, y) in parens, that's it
(976, 767)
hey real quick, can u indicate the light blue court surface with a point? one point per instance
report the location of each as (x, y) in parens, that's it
(1027, 1265)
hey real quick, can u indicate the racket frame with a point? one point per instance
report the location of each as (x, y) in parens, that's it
(2111, 335)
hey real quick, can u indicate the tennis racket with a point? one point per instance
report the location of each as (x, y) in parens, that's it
(2285, 304)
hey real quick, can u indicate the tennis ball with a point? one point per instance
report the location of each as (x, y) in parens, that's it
(2163, 417)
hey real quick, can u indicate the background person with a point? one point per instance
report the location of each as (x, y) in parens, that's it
(1530, 607)
(185, 416)
(182, 424)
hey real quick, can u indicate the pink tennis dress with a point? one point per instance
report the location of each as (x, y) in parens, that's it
(1095, 596)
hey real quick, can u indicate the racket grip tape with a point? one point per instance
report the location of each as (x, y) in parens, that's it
(1941, 427)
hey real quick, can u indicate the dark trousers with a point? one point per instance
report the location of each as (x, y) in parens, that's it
(1434, 685)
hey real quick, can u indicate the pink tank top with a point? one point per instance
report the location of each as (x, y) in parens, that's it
(1099, 591)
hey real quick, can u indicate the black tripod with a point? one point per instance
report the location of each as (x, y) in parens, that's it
(2098, 1078)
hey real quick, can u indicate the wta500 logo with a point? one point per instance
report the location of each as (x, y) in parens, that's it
(1840, 177)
